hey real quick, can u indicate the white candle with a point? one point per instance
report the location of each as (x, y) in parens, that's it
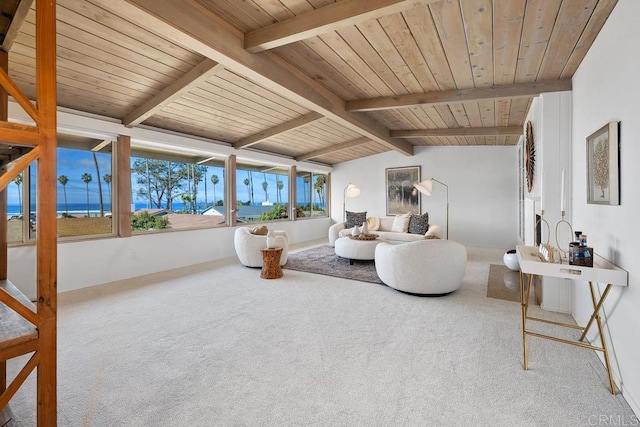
(562, 191)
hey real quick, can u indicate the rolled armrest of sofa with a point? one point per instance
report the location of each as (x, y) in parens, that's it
(434, 230)
(334, 230)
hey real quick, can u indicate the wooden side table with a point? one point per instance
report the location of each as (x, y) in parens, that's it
(271, 263)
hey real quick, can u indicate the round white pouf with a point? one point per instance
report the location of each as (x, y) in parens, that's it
(356, 249)
(510, 259)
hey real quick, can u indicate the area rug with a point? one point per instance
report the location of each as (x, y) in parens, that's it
(323, 260)
(503, 283)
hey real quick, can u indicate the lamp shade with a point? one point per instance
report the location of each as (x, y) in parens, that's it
(352, 190)
(425, 187)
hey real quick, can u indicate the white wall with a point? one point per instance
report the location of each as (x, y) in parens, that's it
(482, 184)
(550, 116)
(605, 88)
(92, 262)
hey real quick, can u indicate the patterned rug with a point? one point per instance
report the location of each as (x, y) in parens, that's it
(323, 260)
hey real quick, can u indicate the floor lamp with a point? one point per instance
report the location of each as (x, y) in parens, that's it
(350, 191)
(426, 187)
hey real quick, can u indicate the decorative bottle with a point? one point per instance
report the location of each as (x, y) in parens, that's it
(364, 230)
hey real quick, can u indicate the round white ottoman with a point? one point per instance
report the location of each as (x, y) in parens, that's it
(356, 249)
(424, 267)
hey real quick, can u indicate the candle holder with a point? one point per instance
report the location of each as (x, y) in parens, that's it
(564, 254)
(539, 223)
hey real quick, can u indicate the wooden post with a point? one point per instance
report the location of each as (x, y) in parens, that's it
(293, 200)
(230, 182)
(123, 184)
(4, 115)
(46, 212)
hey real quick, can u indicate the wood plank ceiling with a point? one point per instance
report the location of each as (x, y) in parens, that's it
(315, 79)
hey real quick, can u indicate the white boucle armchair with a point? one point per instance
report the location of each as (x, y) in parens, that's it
(425, 267)
(248, 246)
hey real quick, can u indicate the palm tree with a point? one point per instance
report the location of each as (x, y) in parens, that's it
(18, 181)
(319, 187)
(247, 182)
(251, 185)
(87, 178)
(107, 179)
(215, 180)
(306, 180)
(265, 184)
(280, 186)
(62, 179)
(95, 161)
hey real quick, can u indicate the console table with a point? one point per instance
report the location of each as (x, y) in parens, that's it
(603, 271)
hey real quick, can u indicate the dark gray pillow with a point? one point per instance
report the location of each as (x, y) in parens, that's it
(419, 224)
(355, 218)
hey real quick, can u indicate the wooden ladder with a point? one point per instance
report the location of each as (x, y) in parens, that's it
(25, 328)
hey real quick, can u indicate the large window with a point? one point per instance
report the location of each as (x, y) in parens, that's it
(170, 191)
(262, 192)
(84, 193)
(311, 194)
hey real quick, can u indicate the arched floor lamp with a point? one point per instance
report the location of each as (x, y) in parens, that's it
(350, 191)
(426, 188)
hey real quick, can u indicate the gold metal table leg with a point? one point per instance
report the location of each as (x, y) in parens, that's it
(524, 302)
(596, 309)
(596, 315)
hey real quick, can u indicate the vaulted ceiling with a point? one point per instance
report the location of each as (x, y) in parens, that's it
(314, 80)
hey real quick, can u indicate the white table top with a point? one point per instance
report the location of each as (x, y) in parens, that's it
(603, 271)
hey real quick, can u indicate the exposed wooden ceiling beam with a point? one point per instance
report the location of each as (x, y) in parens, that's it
(16, 22)
(345, 13)
(276, 130)
(194, 27)
(332, 149)
(101, 145)
(175, 90)
(522, 90)
(487, 131)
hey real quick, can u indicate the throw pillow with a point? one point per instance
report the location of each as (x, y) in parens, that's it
(373, 223)
(419, 224)
(260, 231)
(346, 232)
(401, 223)
(355, 218)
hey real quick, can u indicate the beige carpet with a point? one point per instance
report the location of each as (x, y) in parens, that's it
(216, 345)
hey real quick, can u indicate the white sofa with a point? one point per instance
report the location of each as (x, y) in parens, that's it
(384, 231)
(429, 267)
(248, 246)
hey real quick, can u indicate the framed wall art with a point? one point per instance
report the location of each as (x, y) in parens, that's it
(402, 196)
(603, 166)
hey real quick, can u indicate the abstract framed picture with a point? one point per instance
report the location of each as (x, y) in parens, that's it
(603, 166)
(402, 196)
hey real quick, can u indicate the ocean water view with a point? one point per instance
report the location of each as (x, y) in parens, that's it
(80, 209)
